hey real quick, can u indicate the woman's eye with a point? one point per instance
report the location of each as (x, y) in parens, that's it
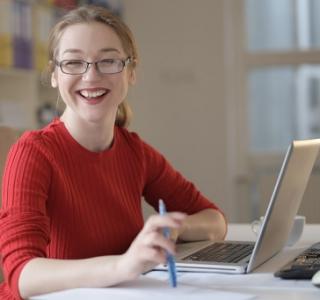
(108, 61)
(73, 63)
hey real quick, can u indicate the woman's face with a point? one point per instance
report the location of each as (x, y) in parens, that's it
(91, 96)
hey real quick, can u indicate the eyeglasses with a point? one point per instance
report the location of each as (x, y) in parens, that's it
(104, 66)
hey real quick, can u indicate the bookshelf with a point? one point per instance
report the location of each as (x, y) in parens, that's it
(24, 31)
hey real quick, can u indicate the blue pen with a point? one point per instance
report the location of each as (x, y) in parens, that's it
(170, 259)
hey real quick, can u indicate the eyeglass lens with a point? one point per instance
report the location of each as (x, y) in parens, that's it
(106, 66)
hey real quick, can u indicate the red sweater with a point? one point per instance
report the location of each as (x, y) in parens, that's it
(62, 201)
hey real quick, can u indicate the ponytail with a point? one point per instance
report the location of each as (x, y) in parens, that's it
(124, 114)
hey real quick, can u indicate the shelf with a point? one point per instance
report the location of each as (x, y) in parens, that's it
(22, 93)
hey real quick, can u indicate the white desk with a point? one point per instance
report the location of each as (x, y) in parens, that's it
(261, 283)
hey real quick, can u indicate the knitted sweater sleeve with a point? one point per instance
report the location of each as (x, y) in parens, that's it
(163, 181)
(24, 223)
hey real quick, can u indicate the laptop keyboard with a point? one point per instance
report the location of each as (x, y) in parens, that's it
(222, 252)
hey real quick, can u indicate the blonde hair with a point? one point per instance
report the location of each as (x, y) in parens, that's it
(91, 13)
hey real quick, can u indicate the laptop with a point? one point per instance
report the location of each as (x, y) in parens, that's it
(240, 257)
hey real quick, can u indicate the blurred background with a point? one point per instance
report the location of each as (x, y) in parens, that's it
(223, 87)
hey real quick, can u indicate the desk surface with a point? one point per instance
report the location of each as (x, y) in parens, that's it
(261, 283)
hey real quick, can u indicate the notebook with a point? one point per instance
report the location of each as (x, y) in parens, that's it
(243, 257)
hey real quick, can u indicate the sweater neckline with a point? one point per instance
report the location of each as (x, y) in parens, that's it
(81, 150)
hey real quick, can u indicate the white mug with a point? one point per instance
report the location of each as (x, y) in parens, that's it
(296, 231)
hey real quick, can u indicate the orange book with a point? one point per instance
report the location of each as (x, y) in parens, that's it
(43, 19)
(6, 34)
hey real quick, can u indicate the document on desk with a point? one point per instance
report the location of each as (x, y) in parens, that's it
(145, 288)
(232, 282)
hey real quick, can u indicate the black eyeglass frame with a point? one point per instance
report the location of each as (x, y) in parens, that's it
(124, 63)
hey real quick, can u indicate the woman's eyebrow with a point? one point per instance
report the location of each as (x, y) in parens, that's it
(109, 50)
(71, 50)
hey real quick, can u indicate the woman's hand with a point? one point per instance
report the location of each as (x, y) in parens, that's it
(149, 247)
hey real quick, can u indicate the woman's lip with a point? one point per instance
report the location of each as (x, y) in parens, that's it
(93, 92)
(93, 89)
(93, 100)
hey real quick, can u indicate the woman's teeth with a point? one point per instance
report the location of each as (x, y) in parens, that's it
(92, 94)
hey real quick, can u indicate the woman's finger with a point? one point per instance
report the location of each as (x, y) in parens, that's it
(170, 220)
(157, 240)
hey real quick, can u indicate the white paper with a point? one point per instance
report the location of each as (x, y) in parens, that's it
(225, 281)
(146, 288)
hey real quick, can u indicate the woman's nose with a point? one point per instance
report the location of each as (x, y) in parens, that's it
(92, 73)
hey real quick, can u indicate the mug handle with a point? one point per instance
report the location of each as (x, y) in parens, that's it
(255, 226)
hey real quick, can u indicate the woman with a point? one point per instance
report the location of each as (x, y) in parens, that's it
(71, 214)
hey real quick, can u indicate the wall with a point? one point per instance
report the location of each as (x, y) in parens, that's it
(310, 206)
(179, 99)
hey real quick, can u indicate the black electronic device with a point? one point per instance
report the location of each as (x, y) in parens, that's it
(303, 266)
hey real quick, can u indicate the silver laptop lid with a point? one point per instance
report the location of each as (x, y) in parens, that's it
(285, 200)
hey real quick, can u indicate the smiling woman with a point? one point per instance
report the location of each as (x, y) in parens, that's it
(123, 42)
(100, 77)
(71, 214)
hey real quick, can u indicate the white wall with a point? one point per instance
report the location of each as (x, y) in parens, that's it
(179, 100)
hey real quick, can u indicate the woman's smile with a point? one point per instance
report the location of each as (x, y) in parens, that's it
(93, 95)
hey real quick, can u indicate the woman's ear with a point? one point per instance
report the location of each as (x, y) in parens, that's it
(54, 82)
(132, 77)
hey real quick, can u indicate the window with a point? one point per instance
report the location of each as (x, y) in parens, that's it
(283, 89)
(273, 93)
